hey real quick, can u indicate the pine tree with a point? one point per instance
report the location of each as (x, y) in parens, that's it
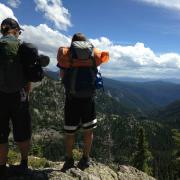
(176, 158)
(142, 157)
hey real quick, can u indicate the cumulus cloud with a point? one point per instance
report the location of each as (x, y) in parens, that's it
(6, 12)
(14, 3)
(134, 60)
(173, 4)
(137, 60)
(54, 11)
(46, 39)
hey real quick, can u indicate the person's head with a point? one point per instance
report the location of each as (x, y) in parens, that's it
(10, 26)
(79, 37)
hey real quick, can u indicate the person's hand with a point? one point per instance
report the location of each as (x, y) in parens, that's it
(61, 73)
(28, 88)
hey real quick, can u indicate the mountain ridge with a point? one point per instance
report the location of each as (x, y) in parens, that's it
(143, 96)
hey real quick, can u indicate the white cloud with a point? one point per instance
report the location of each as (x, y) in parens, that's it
(133, 60)
(6, 12)
(54, 11)
(173, 4)
(14, 3)
(138, 61)
(46, 39)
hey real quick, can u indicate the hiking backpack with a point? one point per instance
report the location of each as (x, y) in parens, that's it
(29, 57)
(79, 82)
(11, 72)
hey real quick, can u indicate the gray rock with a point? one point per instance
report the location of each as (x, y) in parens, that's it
(96, 171)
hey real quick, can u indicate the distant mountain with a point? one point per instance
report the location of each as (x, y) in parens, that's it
(136, 95)
(170, 114)
(143, 96)
(54, 75)
(131, 79)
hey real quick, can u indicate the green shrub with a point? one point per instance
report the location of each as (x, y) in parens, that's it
(77, 154)
(13, 157)
(49, 144)
(36, 162)
(36, 150)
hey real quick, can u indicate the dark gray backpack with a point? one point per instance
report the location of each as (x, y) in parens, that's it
(79, 82)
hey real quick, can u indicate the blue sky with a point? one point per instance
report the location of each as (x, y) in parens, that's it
(142, 35)
(128, 22)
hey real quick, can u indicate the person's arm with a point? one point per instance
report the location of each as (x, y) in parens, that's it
(28, 87)
(61, 62)
(61, 74)
(63, 57)
(59, 57)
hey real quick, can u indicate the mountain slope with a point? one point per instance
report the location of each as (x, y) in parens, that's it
(170, 114)
(143, 96)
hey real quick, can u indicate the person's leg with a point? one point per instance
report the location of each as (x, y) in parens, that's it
(21, 121)
(3, 153)
(69, 161)
(24, 147)
(89, 122)
(3, 160)
(69, 141)
(85, 160)
(4, 132)
(88, 139)
(71, 124)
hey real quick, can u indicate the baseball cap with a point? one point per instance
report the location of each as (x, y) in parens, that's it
(12, 23)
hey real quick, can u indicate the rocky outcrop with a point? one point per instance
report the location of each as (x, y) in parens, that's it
(97, 171)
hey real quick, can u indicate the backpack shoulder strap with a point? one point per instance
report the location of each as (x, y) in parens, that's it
(71, 57)
(93, 61)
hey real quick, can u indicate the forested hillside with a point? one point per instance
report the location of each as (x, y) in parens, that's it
(143, 96)
(170, 114)
(116, 137)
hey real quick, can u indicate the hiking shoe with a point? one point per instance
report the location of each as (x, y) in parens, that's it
(84, 163)
(68, 164)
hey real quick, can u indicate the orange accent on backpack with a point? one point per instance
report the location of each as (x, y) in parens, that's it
(64, 61)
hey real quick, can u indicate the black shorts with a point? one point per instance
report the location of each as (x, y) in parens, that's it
(14, 107)
(79, 112)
